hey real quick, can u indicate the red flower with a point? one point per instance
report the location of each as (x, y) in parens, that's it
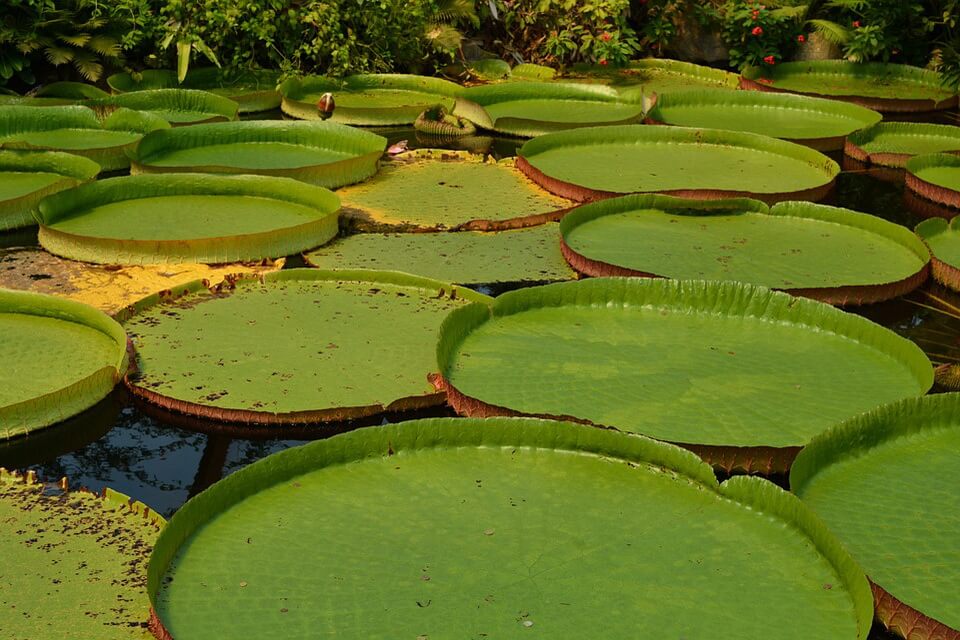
(755, 15)
(764, 80)
(757, 31)
(603, 62)
(605, 36)
(770, 60)
(856, 24)
(801, 38)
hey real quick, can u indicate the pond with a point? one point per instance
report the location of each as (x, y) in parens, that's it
(163, 459)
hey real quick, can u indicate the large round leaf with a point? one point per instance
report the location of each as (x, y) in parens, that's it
(431, 189)
(77, 130)
(596, 162)
(60, 357)
(943, 238)
(739, 368)
(177, 106)
(110, 288)
(875, 85)
(821, 124)
(325, 154)
(891, 144)
(502, 529)
(187, 217)
(252, 90)
(26, 177)
(300, 346)
(936, 177)
(530, 109)
(370, 99)
(831, 254)
(656, 75)
(885, 483)
(77, 91)
(74, 563)
(464, 257)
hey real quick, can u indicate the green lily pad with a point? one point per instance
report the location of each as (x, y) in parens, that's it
(464, 257)
(77, 130)
(432, 189)
(187, 217)
(253, 90)
(77, 91)
(834, 255)
(369, 99)
(529, 109)
(321, 153)
(243, 354)
(885, 483)
(880, 86)
(529, 71)
(586, 164)
(74, 563)
(489, 69)
(26, 177)
(656, 75)
(61, 357)
(177, 106)
(943, 239)
(502, 529)
(936, 177)
(891, 144)
(721, 364)
(821, 124)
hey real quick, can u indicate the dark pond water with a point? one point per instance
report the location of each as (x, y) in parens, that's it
(163, 459)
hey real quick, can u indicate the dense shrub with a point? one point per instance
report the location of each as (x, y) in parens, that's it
(758, 35)
(560, 32)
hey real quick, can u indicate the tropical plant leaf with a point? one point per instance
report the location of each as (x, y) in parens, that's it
(830, 31)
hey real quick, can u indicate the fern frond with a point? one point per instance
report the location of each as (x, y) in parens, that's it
(830, 31)
(851, 5)
(88, 65)
(105, 46)
(789, 13)
(59, 55)
(443, 37)
(453, 10)
(76, 40)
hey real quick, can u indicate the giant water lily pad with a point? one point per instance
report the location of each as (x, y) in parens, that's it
(891, 144)
(369, 99)
(831, 254)
(596, 162)
(300, 346)
(817, 123)
(875, 85)
(885, 483)
(110, 288)
(26, 177)
(70, 91)
(429, 189)
(177, 106)
(77, 130)
(657, 75)
(935, 177)
(253, 90)
(738, 368)
(464, 257)
(321, 153)
(530, 109)
(187, 217)
(501, 529)
(943, 238)
(74, 563)
(60, 357)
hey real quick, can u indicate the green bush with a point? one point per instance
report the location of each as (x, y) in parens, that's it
(560, 32)
(758, 35)
(332, 37)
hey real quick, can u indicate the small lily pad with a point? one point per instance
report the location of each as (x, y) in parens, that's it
(892, 144)
(431, 189)
(936, 177)
(463, 257)
(254, 90)
(943, 238)
(26, 177)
